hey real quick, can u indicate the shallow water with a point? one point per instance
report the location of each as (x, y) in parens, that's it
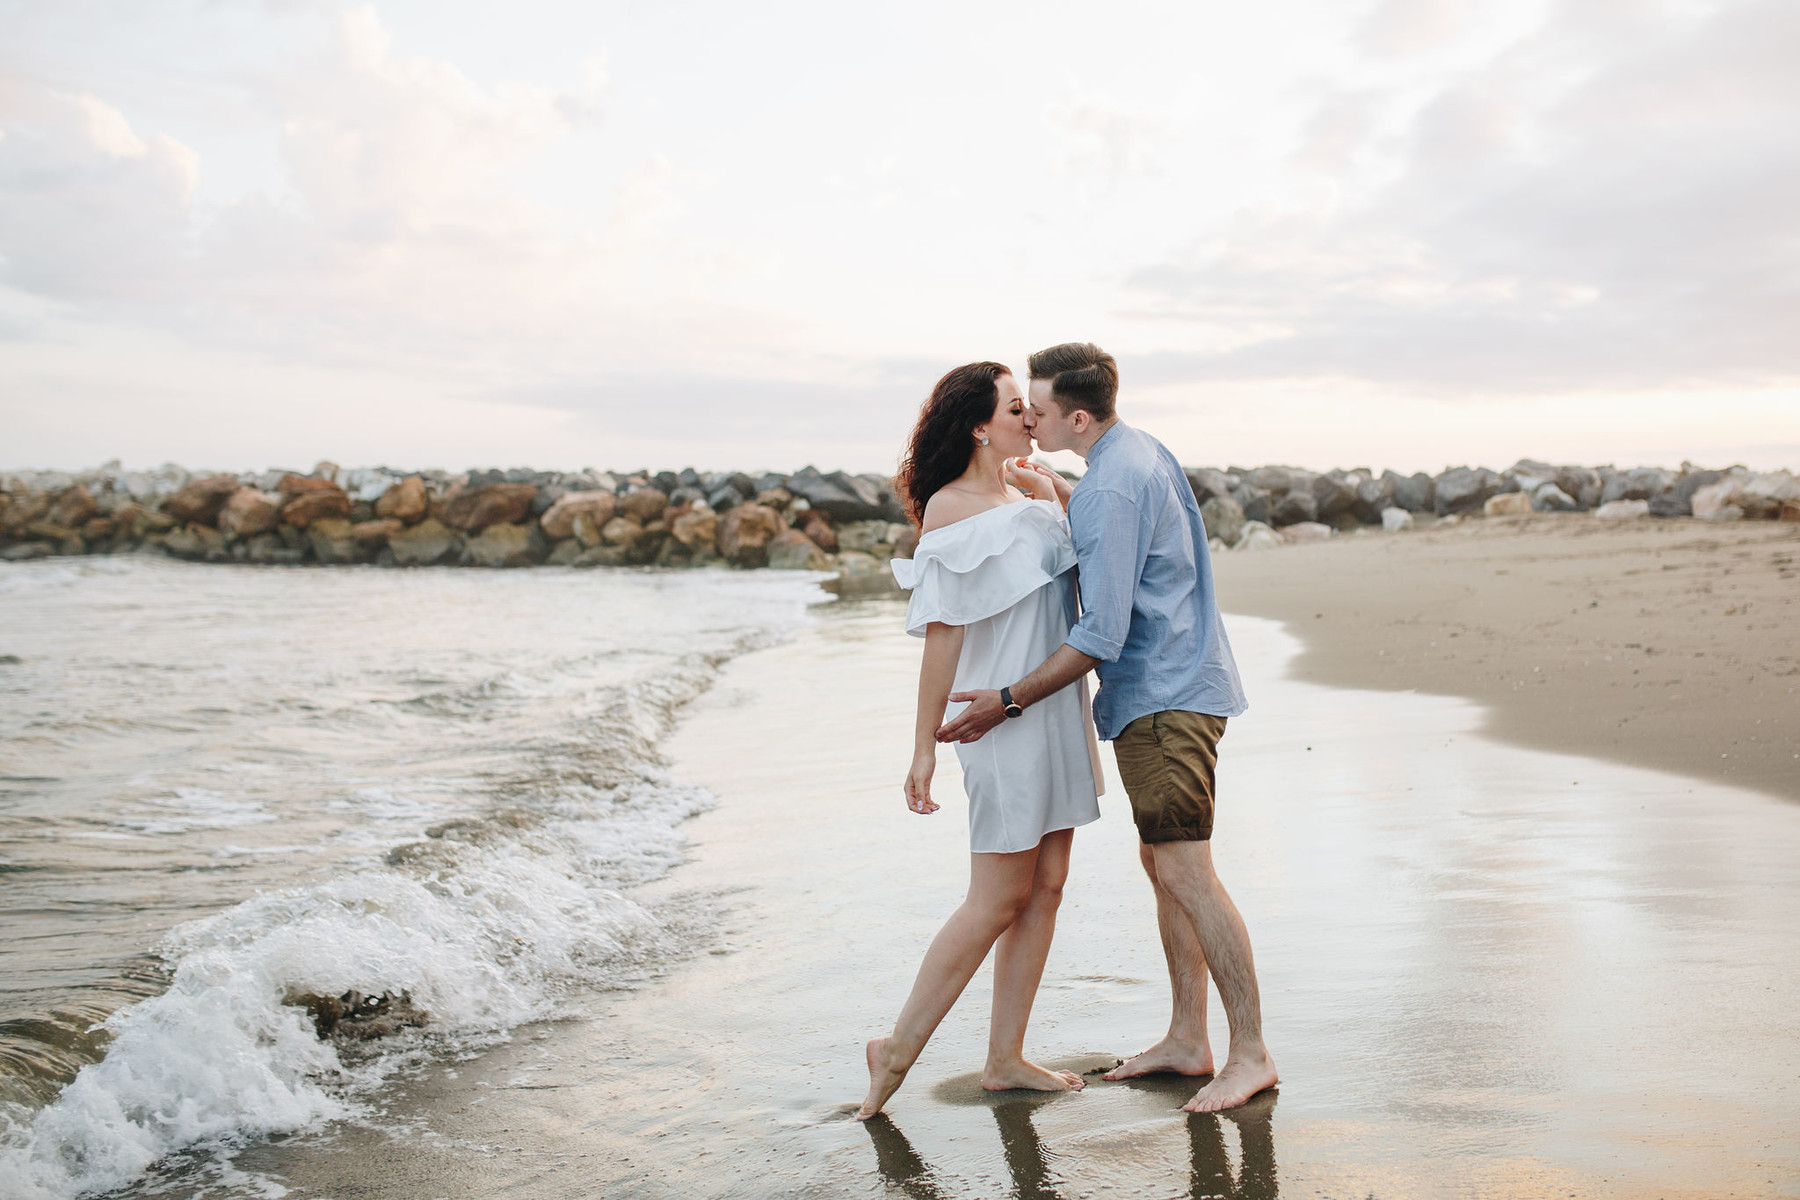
(1486, 972)
(224, 787)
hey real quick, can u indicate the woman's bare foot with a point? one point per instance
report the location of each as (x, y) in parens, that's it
(884, 1080)
(1002, 1077)
(1244, 1076)
(1167, 1057)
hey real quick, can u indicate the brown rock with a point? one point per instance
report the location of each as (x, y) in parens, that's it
(405, 501)
(74, 507)
(907, 542)
(695, 528)
(292, 485)
(50, 531)
(643, 505)
(820, 531)
(585, 531)
(505, 545)
(621, 531)
(249, 512)
(334, 540)
(791, 550)
(327, 501)
(201, 500)
(776, 498)
(1790, 510)
(558, 521)
(97, 529)
(374, 533)
(428, 542)
(198, 542)
(23, 510)
(475, 509)
(745, 532)
(1507, 504)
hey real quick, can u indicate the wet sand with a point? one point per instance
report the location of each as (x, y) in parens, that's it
(1666, 644)
(1487, 971)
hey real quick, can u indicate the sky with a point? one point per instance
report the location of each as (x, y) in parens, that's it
(1388, 233)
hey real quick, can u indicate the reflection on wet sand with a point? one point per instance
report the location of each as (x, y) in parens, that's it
(1211, 1174)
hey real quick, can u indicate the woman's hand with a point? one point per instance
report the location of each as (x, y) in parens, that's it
(1038, 481)
(918, 782)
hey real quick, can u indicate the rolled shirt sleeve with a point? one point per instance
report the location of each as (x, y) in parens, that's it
(1111, 543)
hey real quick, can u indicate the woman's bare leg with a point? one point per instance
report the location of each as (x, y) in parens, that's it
(1000, 887)
(1019, 958)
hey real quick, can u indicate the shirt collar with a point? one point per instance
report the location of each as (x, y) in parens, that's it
(1100, 444)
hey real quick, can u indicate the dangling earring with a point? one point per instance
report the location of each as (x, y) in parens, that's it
(984, 441)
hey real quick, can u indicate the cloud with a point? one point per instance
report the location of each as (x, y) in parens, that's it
(1604, 204)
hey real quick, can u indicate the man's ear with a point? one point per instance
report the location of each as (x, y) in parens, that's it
(1080, 419)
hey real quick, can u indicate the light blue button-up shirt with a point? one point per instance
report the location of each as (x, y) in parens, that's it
(1147, 587)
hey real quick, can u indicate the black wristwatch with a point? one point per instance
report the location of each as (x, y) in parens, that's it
(1013, 707)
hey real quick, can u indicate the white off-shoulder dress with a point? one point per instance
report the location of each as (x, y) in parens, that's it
(1006, 575)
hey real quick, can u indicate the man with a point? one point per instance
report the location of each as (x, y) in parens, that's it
(1168, 683)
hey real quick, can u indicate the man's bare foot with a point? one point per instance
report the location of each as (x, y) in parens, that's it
(1021, 1074)
(1167, 1057)
(1244, 1076)
(884, 1080)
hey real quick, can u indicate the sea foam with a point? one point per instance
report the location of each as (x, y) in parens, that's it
(485, 924)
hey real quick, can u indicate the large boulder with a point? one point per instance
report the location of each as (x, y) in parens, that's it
(377, 532)
(325, 501)
(201, 500)
(745, 532)
(1708, 500)
(1294, 508)
(249, 512)
(1257, 536)
(1373, 497)
(1416, 493)
(558, 521)
(425, 544)
(1307, 531)
(74, 507)
(1464, 489)
(201, 543)
(505, 545)
(1256, 502)
(814, 525)
(621, 531)
(864, 537)
(841, 496)
(1623, 510)
(475, 508)
(1549, 497)
(1207, 483)
(1507, 504)
(1276, 481)
(791, 550)
(1223, 517)
(334, 540)
(405, 501)
(1333, 493)
(643, 505)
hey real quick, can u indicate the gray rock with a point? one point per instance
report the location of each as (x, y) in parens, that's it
(1623, 510)
(1415, 493)
(1307, 531)
(1550, 498)
(334, 541)
(842, 496)
(1224, 518)
(565, 552)
(1293, 508)
(1373, 497)
(1257, 536)
(1333, 493)
(1396, 520)
(269, 550)
(505, 545)
(768, 483)
(426, 544)
(724, 497)
(1725, 512)
(26, 551)
(1276, 481)
(1208, 483)
(1256, 502)
(791, 550)
(199, 543)
(1464, 489)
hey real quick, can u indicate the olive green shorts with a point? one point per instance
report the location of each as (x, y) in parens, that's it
(1166, 762)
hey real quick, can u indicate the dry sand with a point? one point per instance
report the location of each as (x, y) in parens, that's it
(1667, 644)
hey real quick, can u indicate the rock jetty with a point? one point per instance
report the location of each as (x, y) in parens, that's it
(807, 520)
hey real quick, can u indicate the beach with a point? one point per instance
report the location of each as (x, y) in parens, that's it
(1668, 644)
(1487, 971)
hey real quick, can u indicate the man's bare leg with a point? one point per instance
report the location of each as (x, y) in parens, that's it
(1185, 869)
(1185, 1049)
(1019, 958)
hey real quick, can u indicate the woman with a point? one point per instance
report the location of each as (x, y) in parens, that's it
(993, 593)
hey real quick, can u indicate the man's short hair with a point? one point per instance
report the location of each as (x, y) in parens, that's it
(1081, 375)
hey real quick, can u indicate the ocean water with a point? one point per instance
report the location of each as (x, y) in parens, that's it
(231, 795)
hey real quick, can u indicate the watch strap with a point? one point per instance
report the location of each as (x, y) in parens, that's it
(1013, 707)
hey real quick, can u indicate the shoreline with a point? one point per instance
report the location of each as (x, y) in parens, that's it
(1668, 645)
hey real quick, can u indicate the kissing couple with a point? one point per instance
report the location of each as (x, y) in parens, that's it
(1008, 647)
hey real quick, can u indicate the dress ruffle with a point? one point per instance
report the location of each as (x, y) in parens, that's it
(982, 565)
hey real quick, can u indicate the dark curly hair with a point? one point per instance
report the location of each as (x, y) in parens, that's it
(943, 441)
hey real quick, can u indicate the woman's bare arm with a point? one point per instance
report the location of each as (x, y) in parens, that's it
(937, 675)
